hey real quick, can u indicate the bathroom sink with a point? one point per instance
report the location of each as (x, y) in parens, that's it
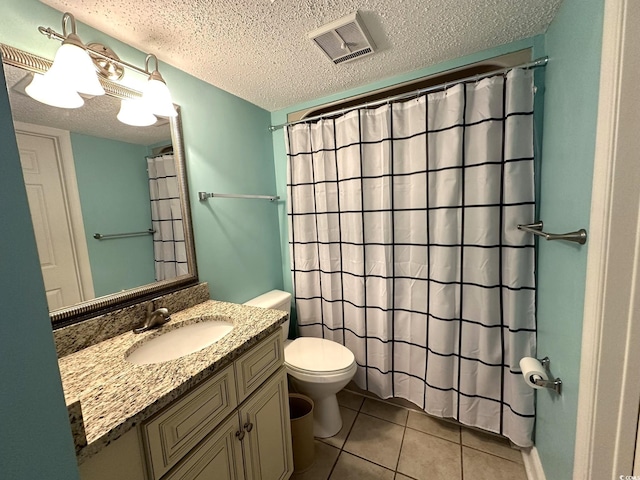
(176, 342)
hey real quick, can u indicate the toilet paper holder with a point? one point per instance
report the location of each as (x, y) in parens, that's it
(555, 384)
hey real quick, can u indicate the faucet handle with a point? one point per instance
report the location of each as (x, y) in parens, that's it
(154, 318)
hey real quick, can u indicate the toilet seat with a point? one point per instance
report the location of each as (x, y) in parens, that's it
(322, 377)
(318, 357)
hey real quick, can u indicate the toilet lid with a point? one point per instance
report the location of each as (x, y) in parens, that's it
(317, 355)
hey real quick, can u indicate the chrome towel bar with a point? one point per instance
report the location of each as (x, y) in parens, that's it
(204, 195)
(579, 236)
(102, 236)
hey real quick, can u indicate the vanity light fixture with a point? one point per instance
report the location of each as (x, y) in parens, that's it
(72, 73)
(156, 94)
(77, 68)
(52, 92)
(134, 112)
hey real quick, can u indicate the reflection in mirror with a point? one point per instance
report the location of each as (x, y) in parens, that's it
(108, 201)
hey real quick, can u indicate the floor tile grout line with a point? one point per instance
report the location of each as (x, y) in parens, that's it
(395, 471)
(461, 458)
(418, 410)
(343, 444)
(400, 451)
(492, 454)
(461, 427)
(435, 436)
(370, 461)
(363, 458)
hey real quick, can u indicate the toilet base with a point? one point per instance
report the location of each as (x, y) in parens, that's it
(327, 420)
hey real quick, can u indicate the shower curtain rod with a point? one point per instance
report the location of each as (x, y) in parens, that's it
(158, 155)
(540, 62)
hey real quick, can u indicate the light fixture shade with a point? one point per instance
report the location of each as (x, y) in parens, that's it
(157, 96)
(134, 112)
(50, 90)
(74, 66)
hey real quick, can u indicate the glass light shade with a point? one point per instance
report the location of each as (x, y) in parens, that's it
(50, 90)
(134, 112)
(157, 97)
(73, 64)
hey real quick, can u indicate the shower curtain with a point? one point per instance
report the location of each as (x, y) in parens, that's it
(404, 247)
(169, 251)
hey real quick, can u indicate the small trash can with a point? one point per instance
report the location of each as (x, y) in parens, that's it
(301, 414)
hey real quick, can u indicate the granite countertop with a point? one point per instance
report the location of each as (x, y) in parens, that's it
(115, 395)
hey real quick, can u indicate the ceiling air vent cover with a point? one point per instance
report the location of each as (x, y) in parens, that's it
(344, 40)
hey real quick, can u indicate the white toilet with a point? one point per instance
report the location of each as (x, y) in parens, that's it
(317, 367)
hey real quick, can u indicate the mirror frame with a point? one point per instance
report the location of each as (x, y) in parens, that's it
(101, 305)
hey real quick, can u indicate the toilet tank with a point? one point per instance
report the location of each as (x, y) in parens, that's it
(276, 300)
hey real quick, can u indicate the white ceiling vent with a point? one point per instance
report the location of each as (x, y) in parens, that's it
(344, 40)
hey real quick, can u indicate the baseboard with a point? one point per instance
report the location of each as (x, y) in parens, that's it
(532, 464)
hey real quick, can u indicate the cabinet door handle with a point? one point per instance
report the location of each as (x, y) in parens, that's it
(248, 425)
(240, 434)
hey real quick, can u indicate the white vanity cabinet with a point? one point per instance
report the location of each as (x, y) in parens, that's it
(259, 434)
(234, 425)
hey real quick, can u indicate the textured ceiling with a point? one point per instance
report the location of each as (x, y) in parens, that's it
(259, 50)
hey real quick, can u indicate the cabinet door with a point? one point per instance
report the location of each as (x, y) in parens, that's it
(267, 440)
(218, 457)
(258, 364)
(172, 433)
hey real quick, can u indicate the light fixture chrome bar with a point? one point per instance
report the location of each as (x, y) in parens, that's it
(50, 33)
(204, 195)
(579, 236)
(101, 236)
(36, 64)
(540, 62)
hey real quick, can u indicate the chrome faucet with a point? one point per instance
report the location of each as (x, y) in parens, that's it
(154, 318)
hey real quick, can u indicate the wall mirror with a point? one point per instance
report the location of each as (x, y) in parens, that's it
(109, 202)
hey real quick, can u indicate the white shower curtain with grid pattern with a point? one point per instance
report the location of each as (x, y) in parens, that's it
(169, 250)
(404, 247)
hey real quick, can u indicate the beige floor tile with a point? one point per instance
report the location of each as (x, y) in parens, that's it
(348, 417)
(491, 444)
(400, 476)
(326, 456)
(385, 411)
(426, 457)
(350, 467)
(434, 426)
(483, 466)
(350, 400)
(376, 440)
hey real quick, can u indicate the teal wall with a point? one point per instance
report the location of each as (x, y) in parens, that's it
(35, 437)
(114, 193)
(228, 150)
(573, 43)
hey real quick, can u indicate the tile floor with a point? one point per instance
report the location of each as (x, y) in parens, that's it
(383, 441)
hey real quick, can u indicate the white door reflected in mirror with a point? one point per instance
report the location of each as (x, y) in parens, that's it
(55, 208)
